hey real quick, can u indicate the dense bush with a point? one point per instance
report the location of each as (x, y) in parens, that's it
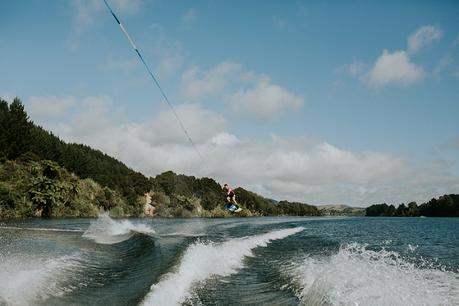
(45, 189)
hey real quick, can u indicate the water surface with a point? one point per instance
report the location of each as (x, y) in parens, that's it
(250, 261)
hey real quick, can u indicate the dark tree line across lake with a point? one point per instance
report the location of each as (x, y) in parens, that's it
(445, 206)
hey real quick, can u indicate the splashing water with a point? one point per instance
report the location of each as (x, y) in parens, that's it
(24, 280)
(105, 230)
(359, 276)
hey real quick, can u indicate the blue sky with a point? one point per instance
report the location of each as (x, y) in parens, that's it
(320, 101)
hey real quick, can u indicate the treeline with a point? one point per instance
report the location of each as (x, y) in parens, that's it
(170, 188)
(268, 207)
(445, 206)
(42, 175)
(21, 139)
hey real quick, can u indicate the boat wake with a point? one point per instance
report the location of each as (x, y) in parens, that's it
(105, 230)
(202, 261)
(359, 276)
(27, 280)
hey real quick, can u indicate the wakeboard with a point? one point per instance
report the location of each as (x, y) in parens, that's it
(232, 207)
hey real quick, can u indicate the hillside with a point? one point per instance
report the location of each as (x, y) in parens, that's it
(44, 189)
(341, 210)
(187, 196)
(41, 175)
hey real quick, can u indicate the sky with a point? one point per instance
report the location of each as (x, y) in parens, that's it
(324, 102)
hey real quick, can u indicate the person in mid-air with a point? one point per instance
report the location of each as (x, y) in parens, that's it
(230, 195)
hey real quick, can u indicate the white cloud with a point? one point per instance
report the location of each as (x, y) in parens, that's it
(8, 96)
(88, 11)
(201, 124)
(95, 114)
(50, 106)
(265, 99)
(397, 68)
(423, 36)
(189, 17)
(394, 69)
(223, 139)
(244, 90)
(87, 115)
(356, 68)
(283, 168)
(197, 84)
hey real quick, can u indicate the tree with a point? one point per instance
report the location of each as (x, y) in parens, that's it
(17, 130)
(4, 128)
(6, 198)
(401, 210)
(413, 209)
(377, 210)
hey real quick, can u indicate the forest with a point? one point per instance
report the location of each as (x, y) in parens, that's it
(42, 175)
(445, 206)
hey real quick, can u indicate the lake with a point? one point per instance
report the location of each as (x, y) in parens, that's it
(234, 261)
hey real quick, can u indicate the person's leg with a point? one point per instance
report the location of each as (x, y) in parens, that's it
(234, 199)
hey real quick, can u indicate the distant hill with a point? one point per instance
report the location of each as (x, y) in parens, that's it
(341, 210)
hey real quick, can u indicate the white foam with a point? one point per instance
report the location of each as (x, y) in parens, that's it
(412, 248)
(204, 260)
(27, 280)
(358, 276)
(105, 230)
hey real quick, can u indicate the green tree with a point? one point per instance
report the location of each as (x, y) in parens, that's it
(413, 209)
(17, 130)
(4, 128)
(401, 210)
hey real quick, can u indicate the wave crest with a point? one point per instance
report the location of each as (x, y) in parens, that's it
(105, 230)
(204, 260)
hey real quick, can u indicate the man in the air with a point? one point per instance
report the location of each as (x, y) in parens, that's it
(230, 195)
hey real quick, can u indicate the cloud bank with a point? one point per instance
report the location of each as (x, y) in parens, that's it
(295, 168)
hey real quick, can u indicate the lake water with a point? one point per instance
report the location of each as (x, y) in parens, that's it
(251, 261)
